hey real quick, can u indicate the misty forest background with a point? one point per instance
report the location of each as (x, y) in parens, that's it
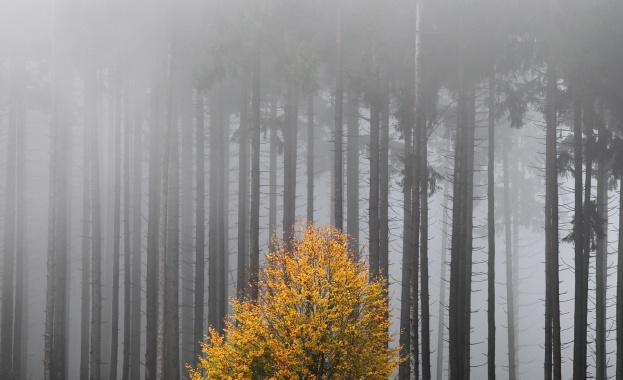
(472, 149)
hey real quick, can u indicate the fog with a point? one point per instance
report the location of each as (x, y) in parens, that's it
(150, 149)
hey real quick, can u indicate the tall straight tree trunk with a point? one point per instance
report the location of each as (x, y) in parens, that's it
(515, 291)
(186, 231)
(425, 296)
(352, 173)
(338, 166)
(373, 203)
(198, 330)
(96, 248)
(116, 232)
(243, 197)
(127, 249)
(491, 232)
(442, 284)
(172, 321)
(290, 160)
(272, 170)
(223, 259)
(310, 158)
(85, 314)
(20, 333)
(579, 332)
(619, 297)
(415, 195)
(8, 262)
(384, 186)
(407, 250)
(151, 280)
(137, 234)
(254, 223)
(586, 237)
(601, 268)
(510, 308)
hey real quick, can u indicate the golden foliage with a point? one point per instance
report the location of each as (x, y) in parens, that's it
(318, 317)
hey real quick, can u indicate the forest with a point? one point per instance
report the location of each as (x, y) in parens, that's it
(153, 153)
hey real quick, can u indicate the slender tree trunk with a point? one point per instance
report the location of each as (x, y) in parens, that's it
(290, 159)
(151, 280)
(442, 284)
(586, 237)
(373, 206)
(8, 262)
(116, 233)
(515, 284)
(491, 232)
(384, 186)
(96, 248)
(198, 330)
(137, 234)
(415, 194)
(127, 249)
(186, 231)
(85, 314)
(337, 151)
(579, 332)
(601, 266)
(20, 334)
(243, 197)
(310, 158)
(272, 175)
(619, 299)
(352, 174)
(510, 308)
(407, 250)
(216, 138)
(254, 223)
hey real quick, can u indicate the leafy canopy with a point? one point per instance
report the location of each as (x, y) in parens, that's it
(318, 317)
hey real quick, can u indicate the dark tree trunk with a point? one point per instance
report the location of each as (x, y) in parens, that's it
(373, 206)
(116, 233)
(48, 366)
(243, 197)
(96, 248)
(85, 314)
(8, 262)
(127, 249)
(290, 133)
(151, 281)
(352, 174)
(619, 299)
(491, 232)
(441, 328)
(579, 331)
(425, 296)
(383, 191)
(510, 308)
(198, 330)
(272, 175)
(338, 166)
(137, 234)
(601, 267)
(407, 250)
(254, 223)
(216, 127)
(310, 158)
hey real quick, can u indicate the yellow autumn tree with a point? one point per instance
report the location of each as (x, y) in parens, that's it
(317, 317)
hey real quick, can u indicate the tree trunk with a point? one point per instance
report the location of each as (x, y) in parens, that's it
(8, 262)
(425, 297)
(338, 167)
(116, 233)
(186, 231)
(383, 191)
(510, 308)
(151, 281)
(20, 334)
(407, 249)
(442, 283)
(198, 330)
(619, 299)
(290, 133)
(243, 186)
(96, 248)
(352, 174)
(491, 232)
(272, 175)
(579, 331)
(127, 250)
(310, 158)
(137, 234)
(85, 314)
(373, 207)
(601, 267)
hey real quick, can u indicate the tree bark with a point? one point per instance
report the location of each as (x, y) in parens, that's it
(338, 167)
(127, 248)
(491, 232)
(243, 197)
(425, 297)
(352, 174)
(198, 330)
(310, 158)
(510, 308)
(373, 206)
(442, 292)
(290, 133)
(383, 191)
(601, 268)
(619, 299)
